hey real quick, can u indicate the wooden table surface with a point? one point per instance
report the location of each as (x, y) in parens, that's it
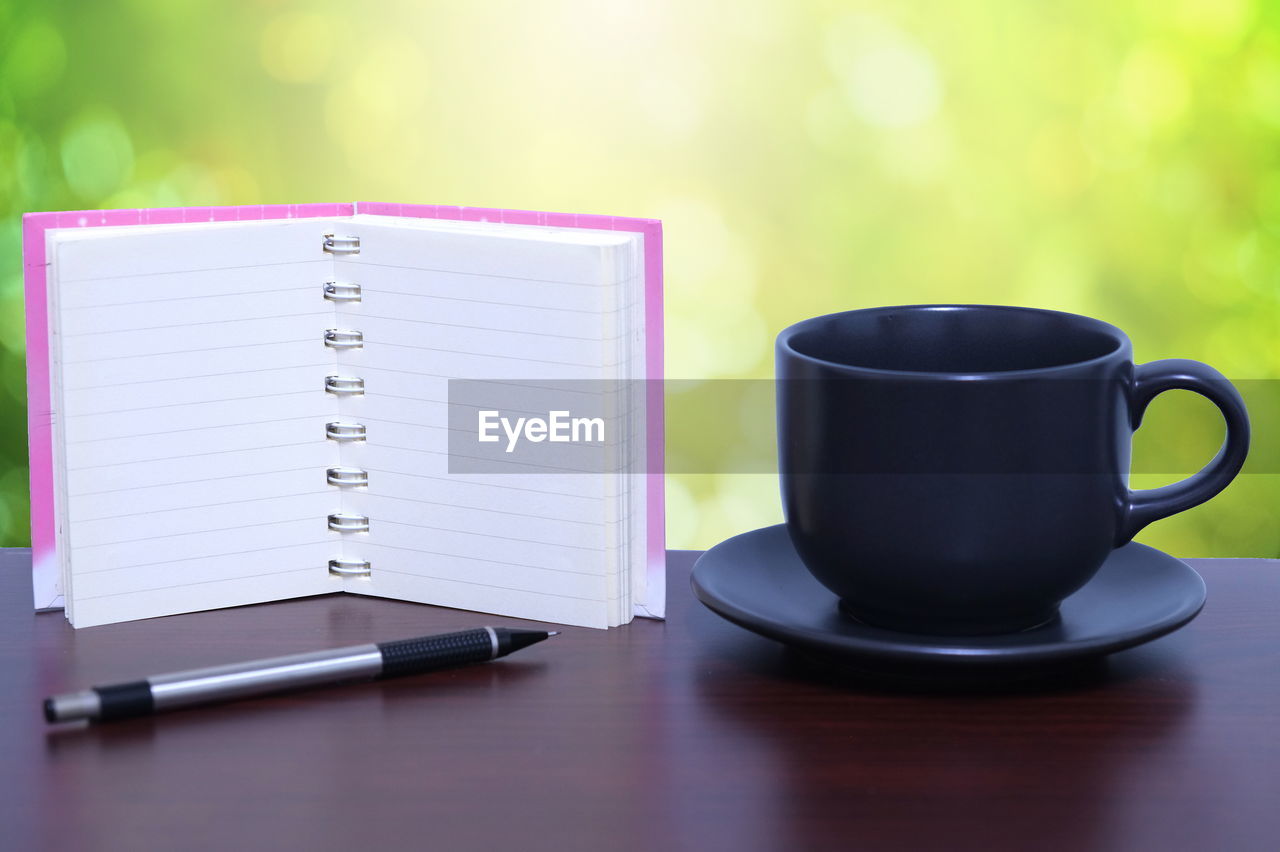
(688, 734)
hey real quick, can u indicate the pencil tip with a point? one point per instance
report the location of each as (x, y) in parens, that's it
(553, 632)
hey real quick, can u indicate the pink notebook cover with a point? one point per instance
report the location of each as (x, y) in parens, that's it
(39, 416)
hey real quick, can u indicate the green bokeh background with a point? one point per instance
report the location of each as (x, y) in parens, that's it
(1120, 159)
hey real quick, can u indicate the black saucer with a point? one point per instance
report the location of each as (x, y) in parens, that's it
(757, 581)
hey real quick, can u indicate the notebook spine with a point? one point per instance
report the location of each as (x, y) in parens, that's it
(344, 431)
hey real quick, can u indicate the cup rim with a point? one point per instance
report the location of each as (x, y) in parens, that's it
(788, 334)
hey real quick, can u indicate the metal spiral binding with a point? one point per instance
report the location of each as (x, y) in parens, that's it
(347, 477)
(349, 567)
(341, 338)
(342, 291)
(345, 522)
(335, 244)
(343, 476)
(339, 431)
(344, 385)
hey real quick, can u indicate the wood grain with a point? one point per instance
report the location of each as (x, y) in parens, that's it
(688, 734)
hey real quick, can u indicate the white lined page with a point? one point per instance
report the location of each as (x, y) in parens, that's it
(440, 304)
(189, 410)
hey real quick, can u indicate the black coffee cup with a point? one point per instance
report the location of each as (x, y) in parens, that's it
(961, 469)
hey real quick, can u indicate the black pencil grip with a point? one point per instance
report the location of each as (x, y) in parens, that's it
(413, 656)
(124, 700)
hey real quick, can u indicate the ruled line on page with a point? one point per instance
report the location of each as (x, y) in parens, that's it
(189, 351)
(192, 455)
(505, 408)
(501, 357)
(372, 495)
(308, 519)
(473, 484)
(537, 468)
(227, 294)
(307, 260)
(423, 425)
(491, 535)
(463, 430)
(407, 373)
(312, 364)
(239, 578)
(430, 400)
(593, 339)
(189, 481)
(413, 450)
(521, 278)
(470, 558)
(517, 383)
(206, 556)
(193, 324)
(493, 586)
(514, 383)
(273, 498)
(375, 291)
(399, 422)
(549, 469)
(219, 427)
(630, 306)
(623, 415)
(181, 404)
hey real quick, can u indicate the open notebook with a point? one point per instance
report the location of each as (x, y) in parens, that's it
(236, 405)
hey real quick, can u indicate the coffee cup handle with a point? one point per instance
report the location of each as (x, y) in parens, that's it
(1153, 379)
